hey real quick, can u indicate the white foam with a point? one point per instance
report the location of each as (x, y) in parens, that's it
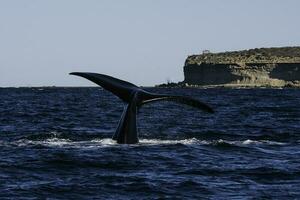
(108, 142)
(273, 142)
(256, 142)
(163, 142)
(246, 142)
(56, 142)
(47, 142)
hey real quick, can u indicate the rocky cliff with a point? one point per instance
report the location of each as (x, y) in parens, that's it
(250, 68)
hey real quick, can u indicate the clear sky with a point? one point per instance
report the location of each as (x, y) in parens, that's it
(142, 41)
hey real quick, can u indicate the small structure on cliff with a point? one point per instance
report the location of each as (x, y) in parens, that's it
(264, 67)
(206, 51)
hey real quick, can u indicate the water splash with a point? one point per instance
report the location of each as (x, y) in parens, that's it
(108, 142)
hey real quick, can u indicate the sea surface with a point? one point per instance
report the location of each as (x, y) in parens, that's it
(55, 144)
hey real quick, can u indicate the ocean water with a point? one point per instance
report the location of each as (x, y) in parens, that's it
(55, 144)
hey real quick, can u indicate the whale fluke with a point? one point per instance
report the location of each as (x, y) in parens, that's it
(134, 97)
(120, 88)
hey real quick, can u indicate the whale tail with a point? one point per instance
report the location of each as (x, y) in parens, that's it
(135, 97)
(120, 88)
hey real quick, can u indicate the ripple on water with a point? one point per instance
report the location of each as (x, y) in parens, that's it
(55, 143)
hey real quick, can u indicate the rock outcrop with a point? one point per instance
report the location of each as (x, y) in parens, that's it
(264, 70)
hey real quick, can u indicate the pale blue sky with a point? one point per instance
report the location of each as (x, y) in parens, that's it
(145, 42)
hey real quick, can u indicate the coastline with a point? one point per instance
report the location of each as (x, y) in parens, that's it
(227, 86)
(253, 68)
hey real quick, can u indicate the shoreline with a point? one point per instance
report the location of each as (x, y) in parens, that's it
(227, 86)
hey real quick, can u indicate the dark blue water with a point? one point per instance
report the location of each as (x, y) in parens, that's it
(55, 143)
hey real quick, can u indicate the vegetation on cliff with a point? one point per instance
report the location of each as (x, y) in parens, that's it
(257, 55)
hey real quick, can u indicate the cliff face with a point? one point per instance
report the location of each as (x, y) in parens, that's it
(248, 74)
(274, 67)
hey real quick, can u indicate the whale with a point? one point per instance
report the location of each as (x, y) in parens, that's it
(134, 97)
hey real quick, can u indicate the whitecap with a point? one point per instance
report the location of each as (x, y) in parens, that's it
(273, 142)
(247, 142)
(47, 142)
(163, 142)
(108, 142)
(56, 142)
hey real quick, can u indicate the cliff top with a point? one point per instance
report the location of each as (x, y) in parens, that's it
(257, 55)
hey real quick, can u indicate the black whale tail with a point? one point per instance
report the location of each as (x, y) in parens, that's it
(135, 97)
(118, 87)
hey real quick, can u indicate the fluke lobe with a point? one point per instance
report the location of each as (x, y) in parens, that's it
(134, 97)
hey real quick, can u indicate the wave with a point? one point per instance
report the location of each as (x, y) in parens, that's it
(108, 142)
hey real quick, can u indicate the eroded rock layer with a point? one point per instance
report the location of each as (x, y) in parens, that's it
(215, 69)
